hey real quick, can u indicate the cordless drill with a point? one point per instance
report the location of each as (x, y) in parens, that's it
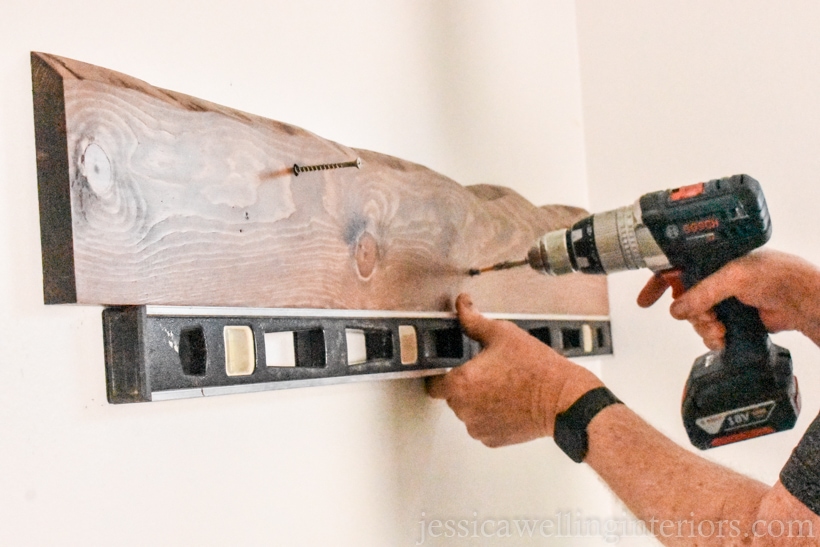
(685, 234)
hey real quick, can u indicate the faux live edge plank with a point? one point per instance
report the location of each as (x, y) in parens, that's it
(149, 196)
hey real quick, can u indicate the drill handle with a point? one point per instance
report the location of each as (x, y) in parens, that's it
(747, 340)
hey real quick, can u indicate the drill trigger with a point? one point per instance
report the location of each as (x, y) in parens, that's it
(673, 279)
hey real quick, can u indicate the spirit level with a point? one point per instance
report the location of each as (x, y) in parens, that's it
(157, 353)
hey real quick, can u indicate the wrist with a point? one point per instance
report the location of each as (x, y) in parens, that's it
(576, 382)
(571, 434)
(579, 382)
(810, 307)
(811, 330)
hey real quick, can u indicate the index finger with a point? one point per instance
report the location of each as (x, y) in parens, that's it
(652, 291)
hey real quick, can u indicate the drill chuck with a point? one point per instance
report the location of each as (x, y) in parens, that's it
(602, 243)
(550, 254)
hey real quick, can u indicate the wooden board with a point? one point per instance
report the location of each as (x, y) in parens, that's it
(149, 196)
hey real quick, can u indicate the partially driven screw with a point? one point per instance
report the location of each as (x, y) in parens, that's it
(357, 163)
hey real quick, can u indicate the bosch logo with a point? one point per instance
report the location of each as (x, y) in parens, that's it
(701, 226)
(672, 231)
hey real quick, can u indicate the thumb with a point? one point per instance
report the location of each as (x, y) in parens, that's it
(476, 326)
(705, 295)
(438, 386)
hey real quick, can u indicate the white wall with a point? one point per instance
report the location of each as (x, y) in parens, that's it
(684, 91)
(480, 91)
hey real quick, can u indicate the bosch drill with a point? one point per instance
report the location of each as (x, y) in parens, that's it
(685, 234)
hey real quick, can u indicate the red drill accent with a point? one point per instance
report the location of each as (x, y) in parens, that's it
(672, 278)
(686, 192)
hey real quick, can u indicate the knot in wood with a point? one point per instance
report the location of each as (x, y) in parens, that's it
(367, 253)
(96, 168)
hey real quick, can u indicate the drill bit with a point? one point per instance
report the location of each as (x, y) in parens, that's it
(500, 266)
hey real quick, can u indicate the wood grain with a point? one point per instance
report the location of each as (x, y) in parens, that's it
(162, 198)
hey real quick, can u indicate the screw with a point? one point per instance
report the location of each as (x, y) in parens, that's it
(357, 163)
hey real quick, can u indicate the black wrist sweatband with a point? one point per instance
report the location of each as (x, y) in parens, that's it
(570, 431)
(801, 474)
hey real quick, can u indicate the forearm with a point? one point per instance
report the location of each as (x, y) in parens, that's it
(807, 303)
(672, 490)
(811, 312)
